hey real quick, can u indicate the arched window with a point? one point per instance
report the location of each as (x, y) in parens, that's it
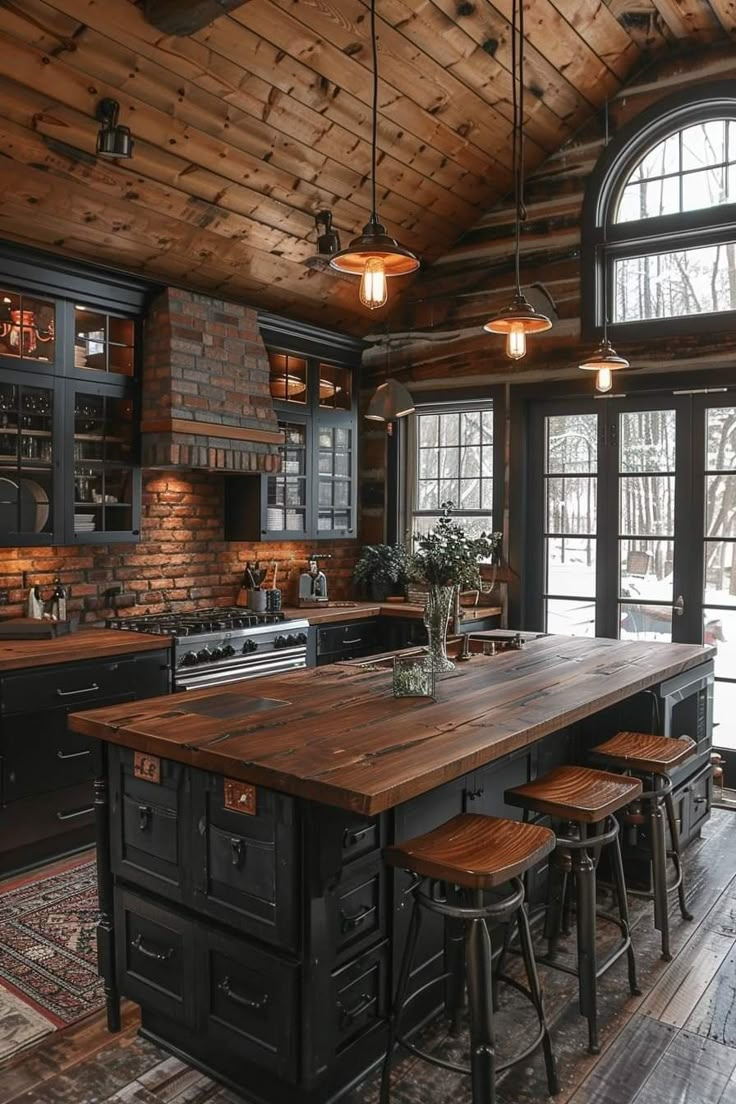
(659, 221)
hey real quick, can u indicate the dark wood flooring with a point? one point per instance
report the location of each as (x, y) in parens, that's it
(676, 1044)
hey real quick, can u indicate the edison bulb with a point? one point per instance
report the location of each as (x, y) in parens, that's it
(603, 379)
(373, 289)
(516, 341)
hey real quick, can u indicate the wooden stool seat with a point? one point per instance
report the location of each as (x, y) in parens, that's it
(580, 794)
(474, 851)
(645, 752)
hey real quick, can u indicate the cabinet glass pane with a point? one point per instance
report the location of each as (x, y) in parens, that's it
(103, 342)
(335, 478)
(335, 387)
(288, 378)
(27, 326)
(103, 463)
(286, 505)
(26, 459)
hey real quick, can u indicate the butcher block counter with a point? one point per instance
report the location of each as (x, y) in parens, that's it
(245, 904)
(337, 735)
(332, 613)
(16, 655)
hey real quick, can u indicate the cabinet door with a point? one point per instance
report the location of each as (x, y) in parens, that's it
(335, 475)
(104, 480)
(29, 459)
(287, 510)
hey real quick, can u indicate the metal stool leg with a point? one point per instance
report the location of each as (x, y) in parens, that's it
(555, 902)
(535, 988)
(658, 845)
(400, 998)
(676, 855)
(480, 980)
(587, 970)
(455, 960)
(623, 911)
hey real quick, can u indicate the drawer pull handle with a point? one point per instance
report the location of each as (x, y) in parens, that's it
(700, 800)
(72, 754)
(238, 849)
(74, 815)
(159, 956)
(349, 923)
(352, 836)
(70, 693)
(349, 1015)
(246, 1002)
(144, 817)
(356, 640)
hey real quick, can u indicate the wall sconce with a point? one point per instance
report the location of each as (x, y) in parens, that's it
(113, 140)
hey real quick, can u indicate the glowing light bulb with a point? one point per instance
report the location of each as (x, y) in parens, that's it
(373, 289)
(603, 379)
(516, 341)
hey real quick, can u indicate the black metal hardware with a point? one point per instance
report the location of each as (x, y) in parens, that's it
(351, 837)
(349, 1015)
(71, 693)
(255, 1004)
(349, 923)
(72, 754)
(78, 813)
(159, 956)
(144, 817)
(239, 850)
(355, 640)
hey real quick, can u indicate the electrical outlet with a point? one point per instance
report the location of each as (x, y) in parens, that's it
(4, 596)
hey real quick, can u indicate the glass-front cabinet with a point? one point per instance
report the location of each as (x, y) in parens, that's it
(68, 426)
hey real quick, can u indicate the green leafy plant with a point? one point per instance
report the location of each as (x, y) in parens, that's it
(447, 556)
(382, 568)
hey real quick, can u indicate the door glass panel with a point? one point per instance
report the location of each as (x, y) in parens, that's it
(719, 584)
(720, 429)
(26, 459)
(647, 505)
(288, 377)
(646, 569)
(286, 492)
(335, 482)
(335, 387)
(103, 463)
(27, 326)
(720, 574)
(720, 505)
(645, 621)
(103, 342)
(724, 710)
(571, 496)
(719, 628)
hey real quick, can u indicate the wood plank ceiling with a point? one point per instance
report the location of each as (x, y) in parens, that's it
(248, 127)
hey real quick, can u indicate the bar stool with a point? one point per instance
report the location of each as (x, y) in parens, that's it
(583, 799)
(654, 757)
(475, 853)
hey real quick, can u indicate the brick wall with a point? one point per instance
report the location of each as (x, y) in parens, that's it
(182, 560)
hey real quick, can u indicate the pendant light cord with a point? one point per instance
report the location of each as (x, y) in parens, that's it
(374, 134)
(517, 93)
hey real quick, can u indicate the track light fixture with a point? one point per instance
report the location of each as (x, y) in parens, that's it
(328, 241)
(113, 140)
(374, 255)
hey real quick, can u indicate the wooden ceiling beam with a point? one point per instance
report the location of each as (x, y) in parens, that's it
(725, 11)
(689, 19)
(184, 17)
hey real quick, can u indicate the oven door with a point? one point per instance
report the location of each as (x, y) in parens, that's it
(219, 674)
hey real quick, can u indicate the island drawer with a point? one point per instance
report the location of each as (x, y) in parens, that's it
(360, 837)
(246, 867)
(356, 910)
(359, 997)
(150, 823)
(251, 1002)
(156, 957)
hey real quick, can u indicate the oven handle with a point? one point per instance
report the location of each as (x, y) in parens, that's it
(241, 674)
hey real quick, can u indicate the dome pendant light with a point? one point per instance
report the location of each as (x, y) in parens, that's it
(519, 318)
(603, 362)
(374, 255)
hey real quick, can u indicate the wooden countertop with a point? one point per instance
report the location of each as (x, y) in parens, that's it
(359, 610)
(18, 655)
(337, 735)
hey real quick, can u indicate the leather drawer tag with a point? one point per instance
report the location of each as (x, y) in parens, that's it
(240, 797)
(146, 767)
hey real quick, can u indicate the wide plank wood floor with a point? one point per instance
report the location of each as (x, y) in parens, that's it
(676, 1044)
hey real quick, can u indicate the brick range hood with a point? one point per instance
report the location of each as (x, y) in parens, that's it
(206, 401)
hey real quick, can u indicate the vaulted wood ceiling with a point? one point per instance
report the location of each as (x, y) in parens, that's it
(248, 127)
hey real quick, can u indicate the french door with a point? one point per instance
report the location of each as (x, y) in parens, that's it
(633, 523)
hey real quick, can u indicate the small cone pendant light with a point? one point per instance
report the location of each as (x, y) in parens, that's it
(519, 318)
(603, 362)
(374, 255)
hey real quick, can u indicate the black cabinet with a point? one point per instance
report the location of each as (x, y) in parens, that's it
(348, 640)
(46, 771)
(69, 471)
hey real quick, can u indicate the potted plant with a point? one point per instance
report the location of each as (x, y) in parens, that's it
(382, 570)
(446, 560)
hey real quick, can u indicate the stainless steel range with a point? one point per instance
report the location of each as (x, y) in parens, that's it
(225, 644)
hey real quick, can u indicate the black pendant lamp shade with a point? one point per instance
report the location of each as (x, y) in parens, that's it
(374, 255)
(519, 318)
(603, 362)
(113, 140)
(391, 401)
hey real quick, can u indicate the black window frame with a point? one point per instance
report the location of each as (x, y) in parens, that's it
(603, 241)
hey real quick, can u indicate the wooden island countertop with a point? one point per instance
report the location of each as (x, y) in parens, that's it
(337, 735)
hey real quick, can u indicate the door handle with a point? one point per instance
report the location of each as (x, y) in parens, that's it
(679, 605)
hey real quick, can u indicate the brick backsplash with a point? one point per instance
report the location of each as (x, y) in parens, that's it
(181, 561)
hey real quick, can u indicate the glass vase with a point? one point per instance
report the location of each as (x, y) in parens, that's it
(440, 602)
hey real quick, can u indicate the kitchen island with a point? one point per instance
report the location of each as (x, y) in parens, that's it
(244, 901)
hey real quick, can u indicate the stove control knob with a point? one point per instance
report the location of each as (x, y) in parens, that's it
(189, 659)
(218, 653)
(250, 645)
(292, 640)
(280, 641)
(204, 655)
(301, 638)
(228, 651)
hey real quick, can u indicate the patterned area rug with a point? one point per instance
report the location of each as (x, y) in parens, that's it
(48, 953)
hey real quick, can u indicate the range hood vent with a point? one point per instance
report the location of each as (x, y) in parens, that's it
(206, 398)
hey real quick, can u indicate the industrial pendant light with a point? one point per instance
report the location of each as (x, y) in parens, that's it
(603, 362)
(519, 318)
(374, 255)
(391, 401)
